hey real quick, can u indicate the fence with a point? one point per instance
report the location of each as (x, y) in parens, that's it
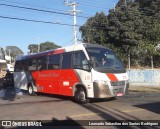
(148, 77)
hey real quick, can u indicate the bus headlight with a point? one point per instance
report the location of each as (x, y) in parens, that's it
(101, 82)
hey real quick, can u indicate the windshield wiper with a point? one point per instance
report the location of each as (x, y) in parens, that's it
(116, 68)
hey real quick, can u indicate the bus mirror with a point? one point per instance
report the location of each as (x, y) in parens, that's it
(85, 64)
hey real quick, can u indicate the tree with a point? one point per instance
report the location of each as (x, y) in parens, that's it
(33, 48)
(48, 46)
(124, 23)
(93, 30)
(132, 28)
(13, 51)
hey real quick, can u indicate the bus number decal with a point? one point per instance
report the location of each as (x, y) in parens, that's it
(87, 77)
(66, 83)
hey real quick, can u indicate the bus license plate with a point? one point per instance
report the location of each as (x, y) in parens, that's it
(119, 94)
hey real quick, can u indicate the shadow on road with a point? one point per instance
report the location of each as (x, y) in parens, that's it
(115, 115)
(153, 107)
(107, 114)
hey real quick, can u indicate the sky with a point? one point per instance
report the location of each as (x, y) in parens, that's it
(21, 33)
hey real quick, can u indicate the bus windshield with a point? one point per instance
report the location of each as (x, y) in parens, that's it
(104, 60)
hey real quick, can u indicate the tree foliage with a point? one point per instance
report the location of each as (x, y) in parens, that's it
(33, 48)
(13, 51)
(132, 28)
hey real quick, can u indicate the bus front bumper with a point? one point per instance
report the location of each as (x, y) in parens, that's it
(104, 91)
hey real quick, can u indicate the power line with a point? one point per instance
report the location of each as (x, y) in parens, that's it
(47, 22)
(48, 11)
(71, 41)
(94, 2)
(93, 6)
(82, 16)
(26, 4)
(41, 10)
(96, 6)
(97, 26)
(30, 20)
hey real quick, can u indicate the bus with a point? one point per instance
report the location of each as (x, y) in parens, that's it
(83, 71)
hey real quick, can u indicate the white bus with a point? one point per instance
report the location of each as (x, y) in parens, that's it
(83, 71)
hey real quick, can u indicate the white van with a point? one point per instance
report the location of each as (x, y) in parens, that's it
(10, 68)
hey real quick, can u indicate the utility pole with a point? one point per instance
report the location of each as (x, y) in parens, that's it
(114, 7)
(74, 11)
(9, 56)
(38, 44)
(129, 61)
(125, 2)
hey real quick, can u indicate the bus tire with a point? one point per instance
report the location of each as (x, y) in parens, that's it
(80, 96)
(31, 90)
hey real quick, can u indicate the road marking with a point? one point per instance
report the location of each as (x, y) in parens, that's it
(90, 114)
(134, 110)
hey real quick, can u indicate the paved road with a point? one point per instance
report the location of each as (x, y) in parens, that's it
(135, 106)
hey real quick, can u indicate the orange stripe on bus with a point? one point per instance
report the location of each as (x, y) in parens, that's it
(112, 77)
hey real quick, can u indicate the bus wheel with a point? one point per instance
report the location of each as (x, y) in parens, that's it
(80, 96)
(30, 90)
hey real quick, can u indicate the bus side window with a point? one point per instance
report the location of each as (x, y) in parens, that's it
(66, 61)
(17, 66)
(54, 62)
(80, 61)
(32, 64)
(76, 61)
(24, 65)
(42, 63)
(39, 64)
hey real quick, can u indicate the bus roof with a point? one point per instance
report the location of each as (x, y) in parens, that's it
(74, 47)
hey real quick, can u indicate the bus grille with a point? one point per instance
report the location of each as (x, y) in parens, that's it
(118, 83)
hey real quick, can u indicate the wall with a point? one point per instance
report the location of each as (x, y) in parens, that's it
(146, 77)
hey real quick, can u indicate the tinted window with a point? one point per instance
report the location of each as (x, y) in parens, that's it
(42, 63)
(54, 62)
(66, 61)
(80, 61)
(17, 66)
(24, 64)
(32, 64)
(104, 60)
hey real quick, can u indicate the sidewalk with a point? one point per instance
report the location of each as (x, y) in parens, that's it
(144, 89)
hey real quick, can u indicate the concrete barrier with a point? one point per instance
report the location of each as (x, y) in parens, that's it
(146, 77)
